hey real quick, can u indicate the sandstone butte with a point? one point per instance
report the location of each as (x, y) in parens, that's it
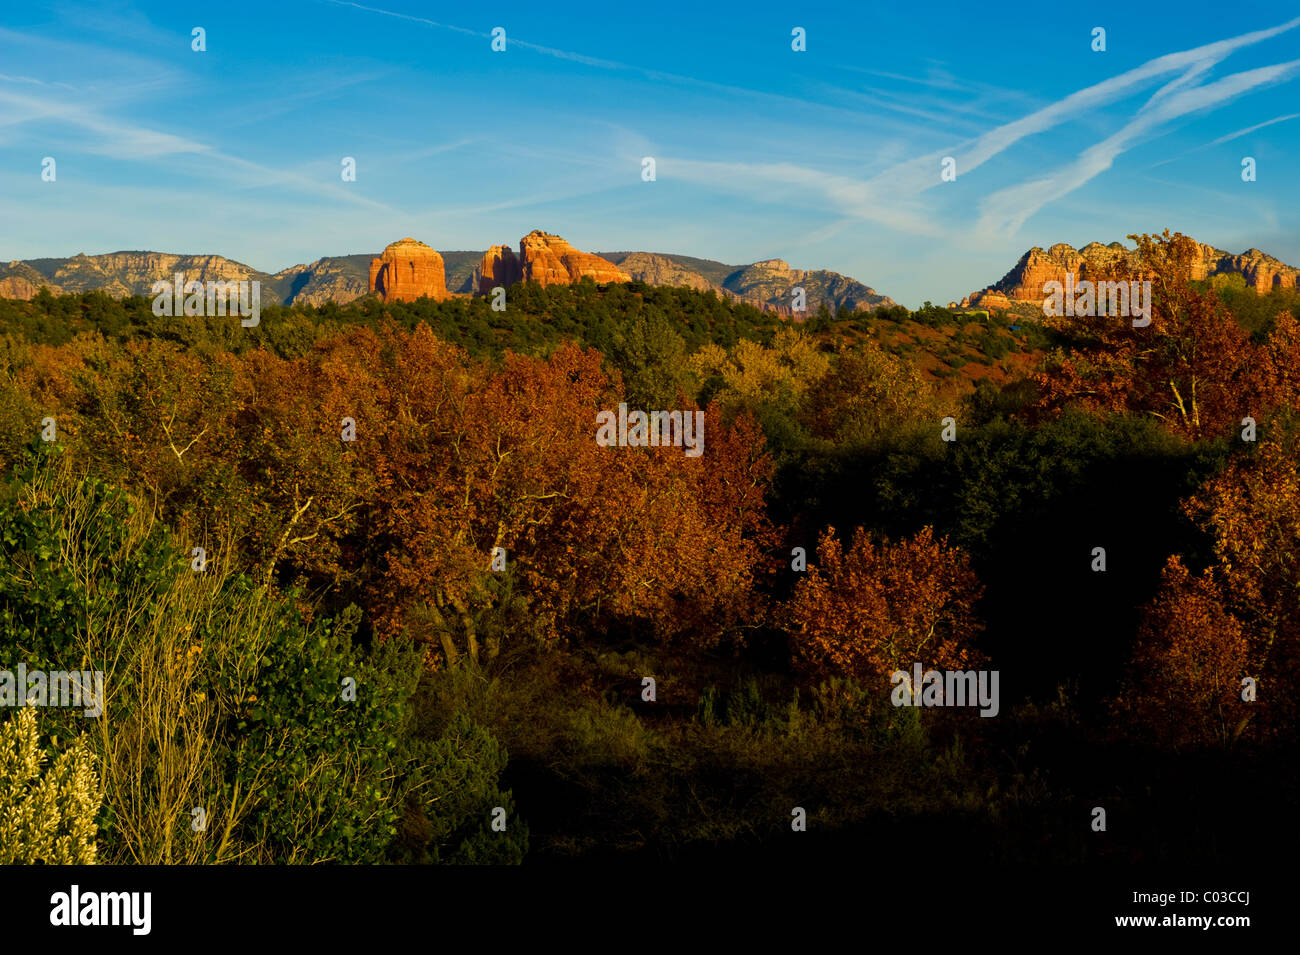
(499, 267)
(1024, 283)
(406, 270)
(546, 259)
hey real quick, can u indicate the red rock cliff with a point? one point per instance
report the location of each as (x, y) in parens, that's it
(499, 267)
(550, 260)
(406, 270)
(1024, 283)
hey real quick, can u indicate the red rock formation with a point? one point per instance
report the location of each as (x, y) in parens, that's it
(499, 267)
(1024, 283)
(550, 260)
(406, 270)
(990, 299)
(1258, 268)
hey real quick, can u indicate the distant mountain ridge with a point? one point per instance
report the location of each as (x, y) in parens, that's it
(134, 272)
(768, 284)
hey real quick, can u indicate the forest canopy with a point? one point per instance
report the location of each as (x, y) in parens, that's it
(365, 573)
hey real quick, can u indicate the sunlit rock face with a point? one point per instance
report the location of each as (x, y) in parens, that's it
(407, 270)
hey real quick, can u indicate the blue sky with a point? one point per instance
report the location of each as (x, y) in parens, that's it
(828, 158)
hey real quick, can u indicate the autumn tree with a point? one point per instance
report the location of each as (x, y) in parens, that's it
(881, 607)
(866, 392)
(150, 410)
(1253, 510)
(303, 433)
(1184, 680)
(1275, 382)
(474, 505)
(496, 475)
(676, 545)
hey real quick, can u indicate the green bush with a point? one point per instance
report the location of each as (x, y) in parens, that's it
(296, 744)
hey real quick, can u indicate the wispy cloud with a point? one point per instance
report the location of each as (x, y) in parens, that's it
(789, 182)
(1224, 139)
(921, 174)
(1007, 209)
(116, 139)
(34, 82)
(405, 16)
(1250, 129)
(654, 76)
(892, 197)
(936, 80)
(930, 110)
(313, 88)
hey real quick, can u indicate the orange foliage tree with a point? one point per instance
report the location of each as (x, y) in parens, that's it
(882, 607)
(1241, 618)
(480, 459)
(286, 436)
(1184, 681)
(1253, 510)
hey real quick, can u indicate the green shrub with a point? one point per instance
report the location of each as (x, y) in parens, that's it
(222, 701)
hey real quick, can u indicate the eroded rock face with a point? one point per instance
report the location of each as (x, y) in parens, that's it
(550, 260)
(990, 299)
(1024, 283)
(15, 286)
(500, 267)
(1036, 267)
(770, 285)
(1260, 270)
(407, 270)
(660, 270)
(19, 280)
(325, 280)
(133, 273)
